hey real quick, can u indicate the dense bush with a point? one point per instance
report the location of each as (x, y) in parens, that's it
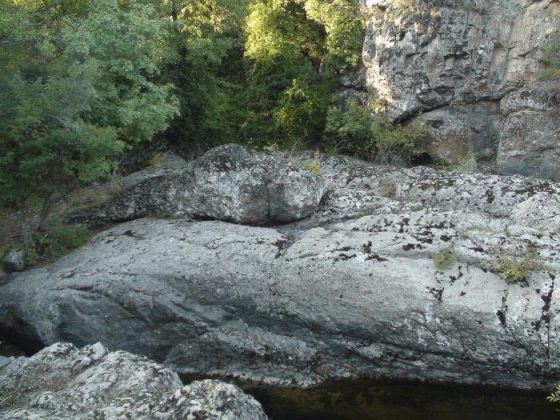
(54, 241)
(353, 131)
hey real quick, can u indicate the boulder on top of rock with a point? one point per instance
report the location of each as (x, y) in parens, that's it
(64, 382)
(232, 185)
(14, 260)
(227, 183)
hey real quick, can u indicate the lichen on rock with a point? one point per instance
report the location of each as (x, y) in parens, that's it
(459, 67)
(64, 382)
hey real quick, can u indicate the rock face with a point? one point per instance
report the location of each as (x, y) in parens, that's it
(530, 137)
(471, 69)
(14, 260)
(63, 382)
(227, 183)
(397, 273)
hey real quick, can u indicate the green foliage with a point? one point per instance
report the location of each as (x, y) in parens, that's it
(51, 241)
(444, 258)
(313, 167)
(516, 270)
(551, 58)
(353, 131)
(294, 50)
(395, 143)
(344, 27)
(125, 94)
(54, 241)
(207, 69)
(350, 131)
(554, 396)
(76, 92)
(92, 86)
(301, 110)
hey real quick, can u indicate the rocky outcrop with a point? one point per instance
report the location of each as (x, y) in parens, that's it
(461, 65)
(530, 136)
(401, 272)
(14, 260)
(64, 382)
(227, 183)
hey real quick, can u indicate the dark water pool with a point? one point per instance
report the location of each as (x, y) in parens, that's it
(388, 400)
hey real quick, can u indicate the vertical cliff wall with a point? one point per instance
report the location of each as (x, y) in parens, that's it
(469, 69)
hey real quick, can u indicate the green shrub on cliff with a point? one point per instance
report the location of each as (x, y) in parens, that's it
(551, 58)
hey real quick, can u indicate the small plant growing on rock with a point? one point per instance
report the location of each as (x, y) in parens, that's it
(513, 270)
(554, 396)
(444, 258)
(313, 167)
(387, 188)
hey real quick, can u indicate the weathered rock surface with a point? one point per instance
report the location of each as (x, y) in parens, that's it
(64, 382)
(14, 261)
(462, 65)
(227, 183)
(530, 136)
(353, 290)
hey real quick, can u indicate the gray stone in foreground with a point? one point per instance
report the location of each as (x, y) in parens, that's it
(64, 382)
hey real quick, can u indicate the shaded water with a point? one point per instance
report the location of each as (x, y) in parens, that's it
(390, 400)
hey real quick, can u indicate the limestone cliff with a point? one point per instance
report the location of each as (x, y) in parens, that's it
(469, 70)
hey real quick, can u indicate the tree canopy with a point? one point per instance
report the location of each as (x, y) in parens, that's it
(79, 85)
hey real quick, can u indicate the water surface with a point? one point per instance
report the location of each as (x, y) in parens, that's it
(390, 400)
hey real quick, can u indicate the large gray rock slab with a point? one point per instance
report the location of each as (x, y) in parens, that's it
(64, 382)
(458, 58)
(352, 290)
(227, 183)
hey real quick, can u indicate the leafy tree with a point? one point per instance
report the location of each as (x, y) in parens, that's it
(343, 23)
(75, 92)
(295, 49)
(207, 44)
